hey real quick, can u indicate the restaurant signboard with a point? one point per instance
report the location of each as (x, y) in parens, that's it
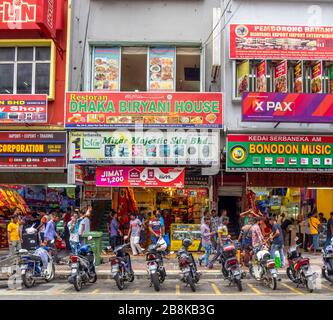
(123, 147)
(119, 176)
(257, 41)
(147, 109)
(296, 153)
(287, 107)
(23, 108)
(33, 150)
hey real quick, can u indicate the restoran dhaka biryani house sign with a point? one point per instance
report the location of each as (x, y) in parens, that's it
(280, 153)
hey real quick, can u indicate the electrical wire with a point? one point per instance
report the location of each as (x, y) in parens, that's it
(84, 47)
(217, 23)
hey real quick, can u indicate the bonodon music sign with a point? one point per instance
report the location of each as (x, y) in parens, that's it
(140, 177)
(287, 107)
(279, 153)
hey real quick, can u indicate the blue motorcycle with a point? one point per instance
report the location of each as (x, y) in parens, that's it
(327, 269)
(36, 266)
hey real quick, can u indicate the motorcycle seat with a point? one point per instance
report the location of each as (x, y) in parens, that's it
(35, 258)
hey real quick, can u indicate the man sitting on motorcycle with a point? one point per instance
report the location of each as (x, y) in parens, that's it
(223, 237)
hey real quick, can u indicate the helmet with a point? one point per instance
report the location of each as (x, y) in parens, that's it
(187, 242)
(162, 246)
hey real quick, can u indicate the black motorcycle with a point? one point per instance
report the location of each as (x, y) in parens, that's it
(154, 258)
(229, 265)
(121, 267)
(82, 268)
(187, 265)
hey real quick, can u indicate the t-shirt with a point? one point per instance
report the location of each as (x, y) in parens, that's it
(155, 224)
(86, 223)
(314, 223)
(215, 223)
(14, 231)
(223, 230)
(136, 227)
(279, 239)
(114, 225)
(329, 224)
(205, 234)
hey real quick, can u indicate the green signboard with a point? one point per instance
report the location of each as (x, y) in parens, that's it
(279, 153)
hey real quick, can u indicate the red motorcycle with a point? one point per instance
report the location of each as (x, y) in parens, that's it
(299, 269)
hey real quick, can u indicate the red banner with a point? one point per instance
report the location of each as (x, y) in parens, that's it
(261, 71)
(150, 109)
(280, 77)
(33, 149)
(140, 177)
(249, 41)
(23, 108)
(316, 74)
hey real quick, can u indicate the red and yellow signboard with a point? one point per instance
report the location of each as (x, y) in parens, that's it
(150, 109)
(254, 41)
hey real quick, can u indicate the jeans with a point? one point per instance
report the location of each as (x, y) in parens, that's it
(14, 247)
(217, 254)
(114, 241)
(328, 241)
(75, 246)
(280, 248)
(205, 256)
(315, 241)
(153, 239)
(66, 238)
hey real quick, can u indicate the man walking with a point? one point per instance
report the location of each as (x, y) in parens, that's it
(134, 234)
(14, 236)
(50, 235)
(215, 222)
(206, 235)
(115, 231)
(277, 240)
(155, 228)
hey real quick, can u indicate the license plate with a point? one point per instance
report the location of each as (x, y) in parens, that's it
(236, 273)
(75, 265)
(115, 269)
(74, 271)
(23, 266)
(152, 267)
(186, 270)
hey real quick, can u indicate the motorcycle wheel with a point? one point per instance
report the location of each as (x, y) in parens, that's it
(77, 281)
(239, 284)
(131, 277)
(119, 282)
(325, 274)
(290, 275)
(273, 283)
(156, 281)
(50, 277)
(162, 275)
(191, 282)
(93, 279)
(27, 279)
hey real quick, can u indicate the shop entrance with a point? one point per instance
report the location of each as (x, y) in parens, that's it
(232, 204)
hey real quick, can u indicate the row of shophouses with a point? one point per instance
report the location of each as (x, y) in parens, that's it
(221, 97)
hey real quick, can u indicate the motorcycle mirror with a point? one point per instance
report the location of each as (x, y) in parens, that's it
(89, 238)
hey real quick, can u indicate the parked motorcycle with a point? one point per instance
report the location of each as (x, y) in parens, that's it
(82, 267)
(36, 266)
(263, 267)
(187, 265)
(327, 269)
(299, 269)
(154, 258)
(230, 267)
(121, 267)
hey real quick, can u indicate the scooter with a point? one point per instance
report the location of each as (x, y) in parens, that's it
(187, 265)
(263, 267)
(32, 266)
(156, 270)
(327, 269)
(121, 267)
(82, 266)
(299, 269)
(230, 267)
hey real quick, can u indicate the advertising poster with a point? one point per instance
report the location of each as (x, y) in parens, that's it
(243, 71)
(316, 74)
(147, 109)
(331, 79)
(253, 41)
(33, 149)
(140, 177)
(261, 71)
(144, 147)
(298, 77)
(23, 108)
(162, 70)
(280, 77)
(279, 153)
(287, 107)
(106, 69)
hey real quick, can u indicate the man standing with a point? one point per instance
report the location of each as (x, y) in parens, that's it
(277, 240)
(67, 219)
(115, 232)
(206, 235)
(257, 237)
(329, 230)
(73, 227)
(84, 226)
(14, 236)
(214, 227)
(155, 228)
(50, 235)
(134, 234)
(314, 232)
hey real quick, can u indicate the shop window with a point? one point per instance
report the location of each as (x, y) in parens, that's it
(27, 70)
(154, 68)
